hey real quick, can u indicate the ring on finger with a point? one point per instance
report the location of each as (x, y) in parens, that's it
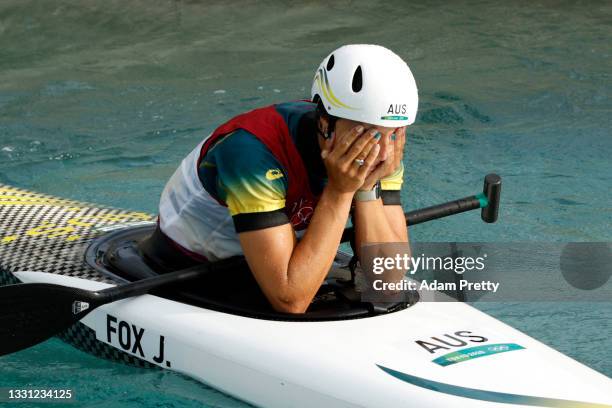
(360, 162)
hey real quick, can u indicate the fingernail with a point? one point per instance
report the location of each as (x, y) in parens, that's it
(359, 129)
(392, 136)
(377, 135)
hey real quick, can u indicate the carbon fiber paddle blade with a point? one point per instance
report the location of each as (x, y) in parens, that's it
(30, 313)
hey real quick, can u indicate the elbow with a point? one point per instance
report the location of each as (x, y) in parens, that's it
(293, 306)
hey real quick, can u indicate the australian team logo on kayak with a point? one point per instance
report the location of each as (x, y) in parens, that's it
(461, 339)
(448, 341)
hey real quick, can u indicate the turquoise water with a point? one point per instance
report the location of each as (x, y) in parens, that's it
(99, 101)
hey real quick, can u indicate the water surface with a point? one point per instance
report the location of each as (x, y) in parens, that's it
(99, 101)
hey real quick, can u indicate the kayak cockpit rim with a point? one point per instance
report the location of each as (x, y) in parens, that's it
(117, 256)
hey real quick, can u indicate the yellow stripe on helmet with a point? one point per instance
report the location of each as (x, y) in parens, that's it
(323, 83)
(333, 97)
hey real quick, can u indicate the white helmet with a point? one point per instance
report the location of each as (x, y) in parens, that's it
(367, 83)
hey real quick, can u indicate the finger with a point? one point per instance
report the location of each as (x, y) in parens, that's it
(399, 147)
(385, 145)
(400, 137)
(345, 140)
(367, 149)
(327, 146)
(369, 160)
(366, 141)
(360, 161)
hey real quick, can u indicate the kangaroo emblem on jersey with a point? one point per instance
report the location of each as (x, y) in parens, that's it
(273, 174)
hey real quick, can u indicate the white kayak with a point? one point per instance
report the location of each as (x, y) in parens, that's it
(426, 354)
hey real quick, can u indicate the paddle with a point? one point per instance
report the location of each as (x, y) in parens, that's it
(31, 313)
(488, 200)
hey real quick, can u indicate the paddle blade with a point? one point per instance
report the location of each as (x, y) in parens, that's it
(30, 313)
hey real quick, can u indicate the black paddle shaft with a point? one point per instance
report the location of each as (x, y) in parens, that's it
(488, 200)
(146, 285)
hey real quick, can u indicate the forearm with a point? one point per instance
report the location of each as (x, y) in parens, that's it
(397, 220)
(377, 223)
(313, 256)
(373, 224)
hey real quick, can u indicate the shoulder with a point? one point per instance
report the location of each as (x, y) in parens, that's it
(242, 150)
(237, 144)
(242, 159)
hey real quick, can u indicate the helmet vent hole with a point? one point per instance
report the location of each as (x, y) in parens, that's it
(357, 80)
(330, 62)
